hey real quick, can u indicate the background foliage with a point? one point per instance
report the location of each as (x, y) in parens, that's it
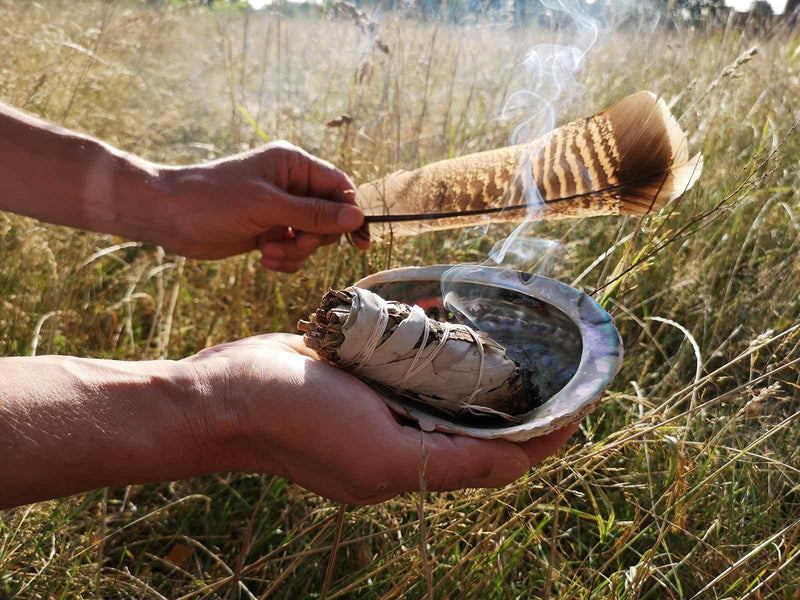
(684, 484)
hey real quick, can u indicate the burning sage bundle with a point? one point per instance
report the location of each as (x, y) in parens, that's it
(399, 350)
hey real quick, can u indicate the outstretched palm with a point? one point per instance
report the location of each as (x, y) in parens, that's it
(297, 416)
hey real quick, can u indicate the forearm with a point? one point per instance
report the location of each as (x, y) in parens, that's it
(65, 178)
(69, 425)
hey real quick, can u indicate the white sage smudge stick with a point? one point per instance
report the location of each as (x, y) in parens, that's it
(398, 349)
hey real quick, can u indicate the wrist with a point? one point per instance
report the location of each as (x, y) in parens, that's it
(180, 197)
(244, 399)
(66, 178)
(178, 427)
(154, 418)
(139, 205)
(218, 427)
(122, 194)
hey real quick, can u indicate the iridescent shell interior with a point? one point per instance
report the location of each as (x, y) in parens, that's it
(558, 333)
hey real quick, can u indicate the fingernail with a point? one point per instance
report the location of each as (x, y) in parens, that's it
(272, 251)
(349, 217)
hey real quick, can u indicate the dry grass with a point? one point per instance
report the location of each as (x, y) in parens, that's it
(684, 484)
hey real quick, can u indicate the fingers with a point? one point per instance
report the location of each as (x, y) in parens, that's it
(455, 462)
(314, 214)
(360, 237)
(312, 241)
(286, 252)
(312, 190)
(537, 449)
(303, 174)
(281, 266)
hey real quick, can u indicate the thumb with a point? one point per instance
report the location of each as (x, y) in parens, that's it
(315, 215)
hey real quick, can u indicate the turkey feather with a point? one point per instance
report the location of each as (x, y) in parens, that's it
(630, 159)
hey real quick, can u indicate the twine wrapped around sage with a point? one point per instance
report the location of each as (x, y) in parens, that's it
(398, 349)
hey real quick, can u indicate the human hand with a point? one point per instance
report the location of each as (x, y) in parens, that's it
(288, 413)
(277, 198)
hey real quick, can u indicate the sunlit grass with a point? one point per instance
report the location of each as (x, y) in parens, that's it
(684, 482)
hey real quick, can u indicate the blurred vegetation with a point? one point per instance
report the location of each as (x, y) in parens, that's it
(684, 484)
(705, 13)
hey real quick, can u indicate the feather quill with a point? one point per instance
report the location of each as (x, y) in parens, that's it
(630, 159)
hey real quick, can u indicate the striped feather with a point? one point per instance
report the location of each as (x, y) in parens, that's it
(630, 159)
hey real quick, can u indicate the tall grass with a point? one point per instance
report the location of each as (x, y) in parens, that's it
(685, 483)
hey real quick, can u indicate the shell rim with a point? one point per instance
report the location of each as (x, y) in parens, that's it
(600, 338)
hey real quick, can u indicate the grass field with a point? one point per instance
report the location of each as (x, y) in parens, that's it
(684, 484)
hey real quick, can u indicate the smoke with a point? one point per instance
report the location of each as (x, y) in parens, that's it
(552, 85)
(552, 72)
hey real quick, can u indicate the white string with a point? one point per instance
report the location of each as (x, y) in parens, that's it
(411, 371)
(477, 389)
(369, 348)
